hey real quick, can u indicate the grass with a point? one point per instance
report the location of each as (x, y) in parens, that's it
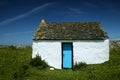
(15, 65)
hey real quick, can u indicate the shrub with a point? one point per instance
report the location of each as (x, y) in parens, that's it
(12, 47)
(38, 62)
(79, 66)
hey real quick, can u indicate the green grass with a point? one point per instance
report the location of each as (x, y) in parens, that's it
(15, 65)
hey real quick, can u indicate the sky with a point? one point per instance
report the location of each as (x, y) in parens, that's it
(19, 19)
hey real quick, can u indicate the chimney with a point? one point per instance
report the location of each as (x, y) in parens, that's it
(43, 22)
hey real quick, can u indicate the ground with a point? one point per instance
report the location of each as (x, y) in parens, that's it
(14, 65)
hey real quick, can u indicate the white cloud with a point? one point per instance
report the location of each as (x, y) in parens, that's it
(25, 14)
(89, 4)
(18, 33)
(77, 11)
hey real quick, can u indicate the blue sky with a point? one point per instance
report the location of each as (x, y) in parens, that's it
(20, 18)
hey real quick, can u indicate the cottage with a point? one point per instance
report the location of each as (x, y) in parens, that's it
(62, 44)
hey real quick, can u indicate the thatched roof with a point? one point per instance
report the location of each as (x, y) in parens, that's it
(70, 31)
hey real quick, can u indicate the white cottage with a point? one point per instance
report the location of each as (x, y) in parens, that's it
(62, 44)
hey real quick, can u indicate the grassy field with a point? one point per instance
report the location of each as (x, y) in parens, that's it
(14, 65)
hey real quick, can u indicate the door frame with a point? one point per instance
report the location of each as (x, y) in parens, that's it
(71, 53)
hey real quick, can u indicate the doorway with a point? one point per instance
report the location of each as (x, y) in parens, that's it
(67, 55)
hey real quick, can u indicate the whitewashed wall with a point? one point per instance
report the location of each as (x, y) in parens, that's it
(89, 51)
(49, 51)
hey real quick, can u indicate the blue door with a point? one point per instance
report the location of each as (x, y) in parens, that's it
(67, 55)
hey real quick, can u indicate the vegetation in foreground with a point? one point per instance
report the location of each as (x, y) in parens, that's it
(15, 64)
